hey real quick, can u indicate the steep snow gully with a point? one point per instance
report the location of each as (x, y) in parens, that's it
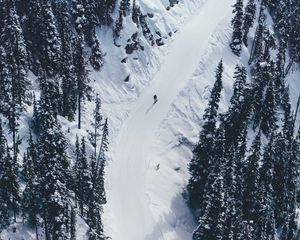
(129, 201)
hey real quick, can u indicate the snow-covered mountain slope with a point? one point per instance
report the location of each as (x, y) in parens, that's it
(138, 212)
(150, 156)
(150, 144)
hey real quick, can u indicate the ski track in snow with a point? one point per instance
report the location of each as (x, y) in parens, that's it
(129, 201)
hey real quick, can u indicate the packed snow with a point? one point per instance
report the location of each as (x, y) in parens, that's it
(138, 211)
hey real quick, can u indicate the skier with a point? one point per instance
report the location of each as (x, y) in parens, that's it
(155, 98)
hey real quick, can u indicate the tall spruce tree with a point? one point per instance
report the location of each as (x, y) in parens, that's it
(251, 173)
(30, 200)
(203, 151)
(237, 23)
(212, 221)
(249, 18)
(4, 208)
(81, 76)
(49, 42)
(67, 68)
(9, 185)
(82, 176)
(53, 173)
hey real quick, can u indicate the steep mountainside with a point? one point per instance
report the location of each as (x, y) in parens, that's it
(85, 153)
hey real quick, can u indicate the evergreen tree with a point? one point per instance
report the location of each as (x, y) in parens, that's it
(257, 45)
(236, 119)
(280, 73)
(30, 201)
(67, 71)
(30, 12)
(251, 171)
(104, 9)
(125, 7)
(201, 160)
(81, 75)
(294, 33)
(53, 165)
(263, 79)
(4, 79)
(249, 18)
(82, 175)
(9, 186)
(96, 58)
(73, 224)
(97, 195)
(268, 119)
(4, 208)
(97, 124)
(16, 54)
(265, 228)
(212, 222)
(237, 22)
(49, 42)
(91, 20)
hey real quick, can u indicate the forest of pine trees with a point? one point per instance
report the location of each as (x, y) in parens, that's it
(245, 169)
(51, 185)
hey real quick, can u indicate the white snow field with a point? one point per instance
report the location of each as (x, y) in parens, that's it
(130, 203)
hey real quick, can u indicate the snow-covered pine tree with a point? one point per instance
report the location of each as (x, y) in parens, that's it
(282, 153)
(79, 16)
(103, 147)
(14, 75)
(96, 58)
(91, 21)
(262, 78)
(237, 23)
(279, 74)
(81, 75)
(203, 151)
(213, 220)
(236, 118)
(16, 55)
(4, 78)
(9, 185)
(82, 176)
(53, 170)
(265, 227)
(290, 226)
(4, 208)
(257, 45)
(295, 31)
(251, 173)
(118, 27)
(249, 18)
(97, 195)
(268, 119)
(48, 42)
(97, 123)
(73, 224)
(269, 44)
(67, 72)
(125, 7)
(29, 11)
(30, 200)
(104, 9)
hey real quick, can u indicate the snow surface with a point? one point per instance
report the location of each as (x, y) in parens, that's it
(137, 215)
(151, 144)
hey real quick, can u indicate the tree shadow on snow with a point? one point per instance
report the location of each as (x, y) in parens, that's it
(177, 224)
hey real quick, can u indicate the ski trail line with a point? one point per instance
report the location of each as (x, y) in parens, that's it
(130, 205)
